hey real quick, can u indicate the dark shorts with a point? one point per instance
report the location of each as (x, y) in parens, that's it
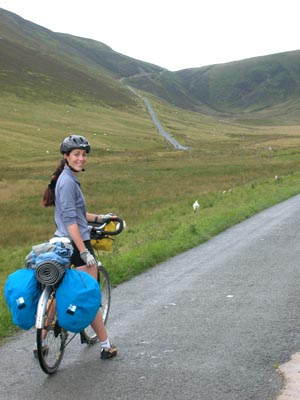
(76, 259)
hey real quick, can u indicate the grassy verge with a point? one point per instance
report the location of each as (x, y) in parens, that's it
(178, 228)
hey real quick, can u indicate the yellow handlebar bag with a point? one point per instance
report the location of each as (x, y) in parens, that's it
(105, 244)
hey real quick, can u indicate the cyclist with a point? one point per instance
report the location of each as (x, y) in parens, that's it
(71, 218)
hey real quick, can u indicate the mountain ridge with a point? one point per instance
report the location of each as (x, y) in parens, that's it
(37, 63)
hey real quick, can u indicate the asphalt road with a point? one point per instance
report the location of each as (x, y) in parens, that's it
(211, 324)
(160, 128)
(156, 122)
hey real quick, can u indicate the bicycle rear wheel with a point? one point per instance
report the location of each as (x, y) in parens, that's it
(51, 339)
(88, 335)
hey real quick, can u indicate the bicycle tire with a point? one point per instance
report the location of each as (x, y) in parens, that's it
(50, 339)
(88, 335)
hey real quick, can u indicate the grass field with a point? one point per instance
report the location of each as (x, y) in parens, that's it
(230, 168)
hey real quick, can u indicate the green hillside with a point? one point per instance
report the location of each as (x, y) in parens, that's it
(37, 64)
(246, 86)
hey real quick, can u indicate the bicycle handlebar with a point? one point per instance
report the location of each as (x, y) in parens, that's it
(97, 229)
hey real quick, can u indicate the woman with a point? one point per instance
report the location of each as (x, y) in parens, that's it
(71, 218)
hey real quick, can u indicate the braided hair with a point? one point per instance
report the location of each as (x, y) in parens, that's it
(49, 194)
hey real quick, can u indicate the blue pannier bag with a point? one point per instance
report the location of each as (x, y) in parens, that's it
(78, 299)
(22, 295)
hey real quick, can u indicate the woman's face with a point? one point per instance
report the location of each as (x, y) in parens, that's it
(76, 159)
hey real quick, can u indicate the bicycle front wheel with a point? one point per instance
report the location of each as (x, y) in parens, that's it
(51, 338)
(88, 335)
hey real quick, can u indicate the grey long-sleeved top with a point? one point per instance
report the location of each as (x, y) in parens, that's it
(70, 205)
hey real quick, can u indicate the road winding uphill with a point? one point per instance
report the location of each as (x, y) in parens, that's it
(157, 124)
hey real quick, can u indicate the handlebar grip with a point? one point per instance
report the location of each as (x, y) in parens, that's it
(100, 229)
(120, 227)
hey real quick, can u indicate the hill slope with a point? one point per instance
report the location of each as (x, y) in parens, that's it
(248, 85)
(242, 86)
(37, 63)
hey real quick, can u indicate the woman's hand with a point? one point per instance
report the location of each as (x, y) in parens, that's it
(87, 258)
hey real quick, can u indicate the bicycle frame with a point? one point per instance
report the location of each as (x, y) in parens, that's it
(42, 304)
(50, 337)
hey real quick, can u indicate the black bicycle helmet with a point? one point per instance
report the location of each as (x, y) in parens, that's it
(74, 142)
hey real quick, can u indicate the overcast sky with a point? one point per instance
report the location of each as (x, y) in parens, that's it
(174, 34)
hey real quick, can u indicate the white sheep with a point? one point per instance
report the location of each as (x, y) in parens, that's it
(196, 206)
